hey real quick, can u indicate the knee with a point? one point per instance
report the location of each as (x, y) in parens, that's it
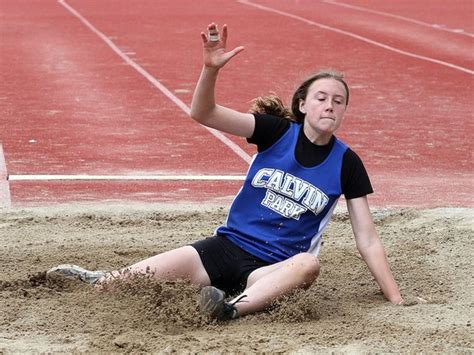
(306, 267)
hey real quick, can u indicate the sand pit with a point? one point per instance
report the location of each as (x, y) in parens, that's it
(430, 252)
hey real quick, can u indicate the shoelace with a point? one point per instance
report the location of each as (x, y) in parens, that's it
(238, 300)
(231, 311)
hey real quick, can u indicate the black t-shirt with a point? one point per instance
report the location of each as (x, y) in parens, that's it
(354, 179)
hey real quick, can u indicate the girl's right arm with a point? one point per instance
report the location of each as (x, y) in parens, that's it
(204, 108)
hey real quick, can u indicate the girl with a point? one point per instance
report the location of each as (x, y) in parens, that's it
(270, 242)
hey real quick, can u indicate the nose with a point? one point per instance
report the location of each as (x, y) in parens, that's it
(329, 106)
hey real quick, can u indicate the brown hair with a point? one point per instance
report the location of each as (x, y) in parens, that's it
(273, 105)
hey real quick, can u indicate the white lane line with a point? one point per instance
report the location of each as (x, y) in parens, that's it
(398, 17)
(3, 164)
(126, 177)
(356, 36)
(5, 197)
(156, 83)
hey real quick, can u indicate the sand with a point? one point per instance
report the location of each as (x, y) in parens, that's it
(430, 252)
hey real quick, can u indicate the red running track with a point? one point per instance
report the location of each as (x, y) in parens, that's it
(71, 105)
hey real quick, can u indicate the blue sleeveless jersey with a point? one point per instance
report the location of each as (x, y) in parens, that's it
(283, 207)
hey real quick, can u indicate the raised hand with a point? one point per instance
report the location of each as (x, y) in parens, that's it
(214, 47)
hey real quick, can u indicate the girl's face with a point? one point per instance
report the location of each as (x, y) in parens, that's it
(324, 106)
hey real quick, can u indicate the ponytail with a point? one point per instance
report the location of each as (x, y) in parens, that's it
(271, 105)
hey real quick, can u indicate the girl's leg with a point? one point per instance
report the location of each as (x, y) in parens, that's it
(182, 263)
(267, 283)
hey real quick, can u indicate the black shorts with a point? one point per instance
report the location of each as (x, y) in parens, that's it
(227, 265)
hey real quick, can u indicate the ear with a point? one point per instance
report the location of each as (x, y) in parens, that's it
(302, 108)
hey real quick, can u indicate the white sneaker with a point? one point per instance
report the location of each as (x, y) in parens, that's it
(75, 272)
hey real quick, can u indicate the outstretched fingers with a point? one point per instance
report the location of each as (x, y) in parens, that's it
(214, 45)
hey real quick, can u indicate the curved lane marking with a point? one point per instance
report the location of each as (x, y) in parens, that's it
(155, 82)
(403, 18)
(356, 36)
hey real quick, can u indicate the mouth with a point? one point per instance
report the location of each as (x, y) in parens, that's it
(328, 118)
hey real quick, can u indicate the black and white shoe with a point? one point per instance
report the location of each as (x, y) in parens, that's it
(214, 305)
(75, 272)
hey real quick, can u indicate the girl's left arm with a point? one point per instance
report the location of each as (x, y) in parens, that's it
(371, 248)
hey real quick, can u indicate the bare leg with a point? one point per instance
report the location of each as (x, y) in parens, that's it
(182, 263)
(270, 282)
